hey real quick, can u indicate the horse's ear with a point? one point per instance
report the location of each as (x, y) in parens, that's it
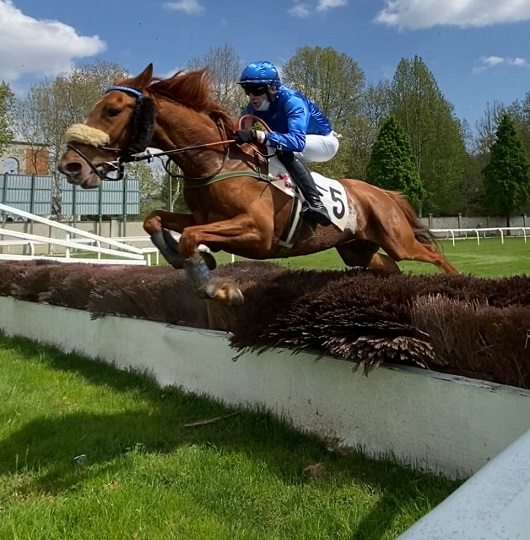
(142, 81)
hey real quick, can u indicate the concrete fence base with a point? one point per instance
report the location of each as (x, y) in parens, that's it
(431, 421)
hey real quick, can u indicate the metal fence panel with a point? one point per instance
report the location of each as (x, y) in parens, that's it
(120, 197)
(34, 194)
(31, 193)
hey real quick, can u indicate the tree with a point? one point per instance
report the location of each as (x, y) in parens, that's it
(487, 127)
(519, 111)
(364, 127)
(6, 107)
(471, 192)
(435, 134)
(172, 192)
(391, 164)
(335, 82)
(151, 177)
(507, 175)
(225, 65)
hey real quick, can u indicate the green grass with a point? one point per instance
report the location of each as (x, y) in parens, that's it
(489, 259)
(147, 476)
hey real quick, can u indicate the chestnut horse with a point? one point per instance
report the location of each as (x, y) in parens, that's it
(234, 206)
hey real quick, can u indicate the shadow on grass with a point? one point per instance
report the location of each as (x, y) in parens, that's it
(49, 445)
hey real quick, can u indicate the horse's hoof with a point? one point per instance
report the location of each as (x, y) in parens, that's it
(209, 259)
(230, 295)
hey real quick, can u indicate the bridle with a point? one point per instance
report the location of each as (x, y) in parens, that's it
(103, 169)
(110, 166)
(126, 156)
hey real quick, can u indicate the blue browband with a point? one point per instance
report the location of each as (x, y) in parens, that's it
(138, 94)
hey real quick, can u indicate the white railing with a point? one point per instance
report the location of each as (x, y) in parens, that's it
(450, 233)
(117, 252)
(121, 247)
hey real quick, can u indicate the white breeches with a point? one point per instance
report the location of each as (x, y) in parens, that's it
(319, 148)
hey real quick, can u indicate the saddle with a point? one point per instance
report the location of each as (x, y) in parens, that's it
(331, 192)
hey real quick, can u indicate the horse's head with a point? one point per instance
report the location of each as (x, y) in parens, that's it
(120, 124)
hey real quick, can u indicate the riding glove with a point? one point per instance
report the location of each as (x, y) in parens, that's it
(243, 136)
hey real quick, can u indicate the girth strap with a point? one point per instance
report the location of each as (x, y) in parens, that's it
(294, 223)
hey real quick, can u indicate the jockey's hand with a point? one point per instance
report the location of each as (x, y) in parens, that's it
(243, 136)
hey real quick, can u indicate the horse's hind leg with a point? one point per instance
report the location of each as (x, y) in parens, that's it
(412, 250)
(438, 259)
(381, 261)
(364, 253)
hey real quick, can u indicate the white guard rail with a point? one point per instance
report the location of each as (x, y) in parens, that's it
(450, 233)
(123, 253)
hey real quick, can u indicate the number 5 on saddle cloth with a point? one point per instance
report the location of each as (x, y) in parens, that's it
(332, 194)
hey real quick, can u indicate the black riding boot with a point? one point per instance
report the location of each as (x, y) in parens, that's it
(313, 209)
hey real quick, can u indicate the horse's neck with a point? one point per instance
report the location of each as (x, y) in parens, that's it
(179, 127)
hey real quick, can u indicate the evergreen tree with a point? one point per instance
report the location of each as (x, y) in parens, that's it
(507, 175)
(435, 134)
(391, 164)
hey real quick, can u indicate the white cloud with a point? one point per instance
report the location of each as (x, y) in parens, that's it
(418, 14)
(299, 10)
(303, 9)
(494, 61)
(39, 47)
(191, 7)
(324, 5)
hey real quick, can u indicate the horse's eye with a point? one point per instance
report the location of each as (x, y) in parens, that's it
(113, 111)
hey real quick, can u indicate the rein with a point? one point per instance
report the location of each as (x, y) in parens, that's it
(118, 164)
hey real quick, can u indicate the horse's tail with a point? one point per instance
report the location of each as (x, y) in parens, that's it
(422, 233)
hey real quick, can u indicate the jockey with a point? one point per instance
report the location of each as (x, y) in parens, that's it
(300, 131)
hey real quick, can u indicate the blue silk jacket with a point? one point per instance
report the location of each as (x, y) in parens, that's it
(291, 116)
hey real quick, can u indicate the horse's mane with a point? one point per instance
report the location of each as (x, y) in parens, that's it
(192, 89)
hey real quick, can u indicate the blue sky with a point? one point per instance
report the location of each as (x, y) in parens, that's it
(478, 50)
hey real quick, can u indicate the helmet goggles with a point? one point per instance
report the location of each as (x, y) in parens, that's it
(256, 89)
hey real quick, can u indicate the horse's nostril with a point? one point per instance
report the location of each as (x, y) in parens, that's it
(70, 168)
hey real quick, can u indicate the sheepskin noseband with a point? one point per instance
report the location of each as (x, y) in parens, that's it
(81, 133)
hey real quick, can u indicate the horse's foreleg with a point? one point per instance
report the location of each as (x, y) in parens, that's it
(228, 234)
(168, 247)
(157, 224)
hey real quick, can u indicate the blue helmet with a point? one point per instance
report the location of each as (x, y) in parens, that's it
(261, 72)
